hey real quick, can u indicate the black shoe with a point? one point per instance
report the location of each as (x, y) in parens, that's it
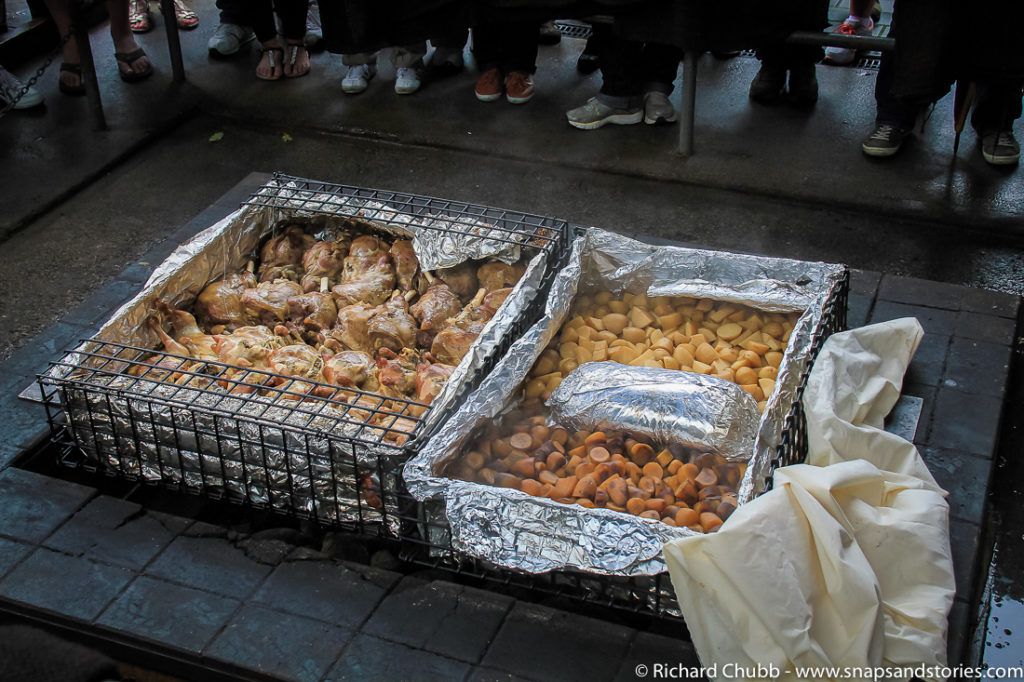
(587, 63)
(803, 85)
(549, 34)
(768, 85)
(885, 140)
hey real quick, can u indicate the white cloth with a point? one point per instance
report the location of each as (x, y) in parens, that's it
(846, 563)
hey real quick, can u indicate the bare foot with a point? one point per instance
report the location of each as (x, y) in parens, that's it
(296, 59)
(270, 66)
(71, 79)
(128, 45)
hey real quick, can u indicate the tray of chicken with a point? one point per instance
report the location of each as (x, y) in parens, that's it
(281, 354)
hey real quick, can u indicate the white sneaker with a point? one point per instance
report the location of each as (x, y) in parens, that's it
(841, 56)
(407, 80)
(10, 87)
(358, 78)
(227, 39)
(658, 109)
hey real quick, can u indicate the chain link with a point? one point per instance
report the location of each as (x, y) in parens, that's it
(38, 74)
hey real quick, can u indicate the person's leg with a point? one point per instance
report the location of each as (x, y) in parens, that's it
(233, 31)
(132, 62)
(619, 100)
(519, 45)
(362, 67)
(293, 25)
(659, 65)
(408, 62)
(859, 23)
(233, 12)
(448, 46)
(71, 70)
(271, 66)
(894, 117)
(998, 105)
(800, 61)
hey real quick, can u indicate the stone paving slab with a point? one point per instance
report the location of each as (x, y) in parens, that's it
(281, 644)
(369, 658)
(452, 620)
(34, 505)
(173, 615)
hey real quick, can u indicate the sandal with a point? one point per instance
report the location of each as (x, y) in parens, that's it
(129, 58)
(290, 59)
(187, 19)
(139, 17)
(75, 90)
(276, 69)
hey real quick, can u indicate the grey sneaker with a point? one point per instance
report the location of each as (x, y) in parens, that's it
(358, 78)
(999, 147)
(885, 140)
(407, 80)
(657, 109)
(596, 113)
(227, 39)
(10, 87)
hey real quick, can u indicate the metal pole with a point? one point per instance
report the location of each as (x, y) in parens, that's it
(688, 107)
(173, 39)
(92, 86)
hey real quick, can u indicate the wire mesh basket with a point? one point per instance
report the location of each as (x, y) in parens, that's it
(427, 536)
(290, 444)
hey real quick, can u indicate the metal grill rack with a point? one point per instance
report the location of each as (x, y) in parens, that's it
(266, 440)
(426, 535)
(286, 192)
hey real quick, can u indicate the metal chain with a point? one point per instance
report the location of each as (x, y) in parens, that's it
(38, 74)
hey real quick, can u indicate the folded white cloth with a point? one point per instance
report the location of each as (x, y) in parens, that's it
(846, 563)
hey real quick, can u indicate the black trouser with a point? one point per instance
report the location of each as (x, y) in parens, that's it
(291, 12)
(234, 12)
(631, 68)
(998, 104)
(789, 56)
(510, 46)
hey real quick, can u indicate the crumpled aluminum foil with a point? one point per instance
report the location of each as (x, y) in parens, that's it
(667, 405)
(160, 432)
(514, 530)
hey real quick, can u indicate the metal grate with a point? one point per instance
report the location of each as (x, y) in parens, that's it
(426, 535)
(395, 208)
(289, 444)
(571, 29)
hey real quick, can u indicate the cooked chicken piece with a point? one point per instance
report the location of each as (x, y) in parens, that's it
(461, 279)
(353, 369)
(452, 343)
(324, 259)
(268, 302)
(373, 288)
(247, 346)
(367, 274)
(433, 311)
(430, 379)
(220, 302)
(494, 299)
(393, 327)
(406, 264)
(159, 367)
(350, 331)
(276, 272)
(367, 254)
(286, 248)
(197, 344)
(397, 372)
(499, 275)
(300, 362)
(312, 312)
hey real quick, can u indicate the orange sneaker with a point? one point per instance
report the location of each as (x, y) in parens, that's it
(519, 87)
(488, 86)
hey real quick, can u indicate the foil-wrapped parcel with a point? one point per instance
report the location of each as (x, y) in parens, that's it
(312, 456)
(679, 412)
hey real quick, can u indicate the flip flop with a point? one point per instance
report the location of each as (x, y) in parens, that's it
(74, 90)
(130, 58)
(275, 64)
(187, 19)
(139, 17)
(292, 54)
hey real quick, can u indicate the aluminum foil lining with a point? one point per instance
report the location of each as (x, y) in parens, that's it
(157, 453)
(514, 530)
(440, 241)
(699, 411)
